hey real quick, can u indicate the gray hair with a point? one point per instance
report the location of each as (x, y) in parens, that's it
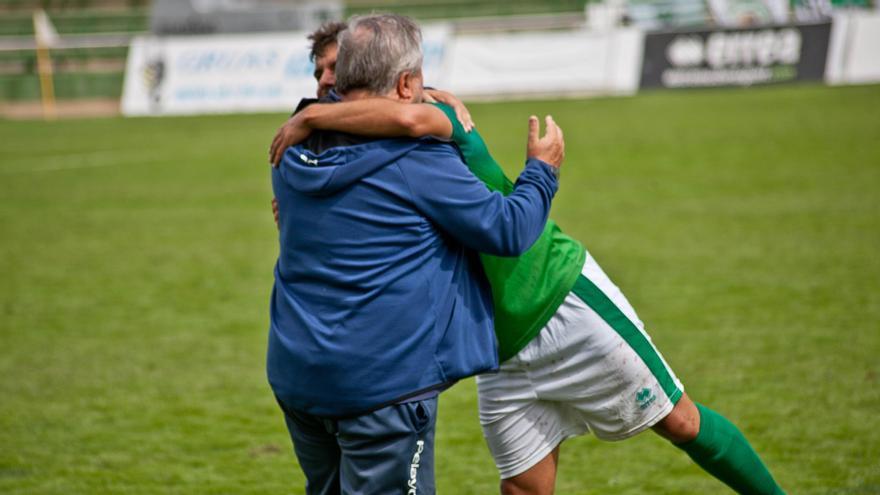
(375, 50)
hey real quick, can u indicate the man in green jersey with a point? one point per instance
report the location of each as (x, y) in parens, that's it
(575, 356)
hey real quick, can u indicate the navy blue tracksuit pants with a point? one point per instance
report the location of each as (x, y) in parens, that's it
(385, 452)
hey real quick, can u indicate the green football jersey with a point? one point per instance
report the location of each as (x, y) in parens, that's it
(528, 289)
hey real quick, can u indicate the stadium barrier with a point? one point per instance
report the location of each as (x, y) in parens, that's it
(271, 72)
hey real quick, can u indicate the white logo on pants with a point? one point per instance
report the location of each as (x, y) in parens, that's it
(414, 468)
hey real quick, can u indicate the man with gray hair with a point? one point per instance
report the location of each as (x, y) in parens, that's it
(377, 48)
(380, 301)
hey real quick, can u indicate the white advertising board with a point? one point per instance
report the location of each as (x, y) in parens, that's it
(864, 49)
(542, 63)
(854, 47)
(213, 74)
(235, 73)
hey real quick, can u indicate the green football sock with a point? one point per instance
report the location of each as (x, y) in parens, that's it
(722, 450)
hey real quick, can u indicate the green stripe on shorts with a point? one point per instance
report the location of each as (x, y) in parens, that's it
(587, 291)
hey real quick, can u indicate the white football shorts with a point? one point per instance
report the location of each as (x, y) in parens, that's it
(592, 367)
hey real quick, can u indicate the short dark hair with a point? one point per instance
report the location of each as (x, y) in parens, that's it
(325, 36)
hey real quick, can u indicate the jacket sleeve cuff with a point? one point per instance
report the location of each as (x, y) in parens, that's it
(545, 168)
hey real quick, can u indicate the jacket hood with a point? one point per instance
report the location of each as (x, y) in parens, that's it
(337, 168)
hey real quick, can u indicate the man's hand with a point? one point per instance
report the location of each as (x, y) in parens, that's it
(275, 212)
(461, 111)
(550, 149)
(292, 132)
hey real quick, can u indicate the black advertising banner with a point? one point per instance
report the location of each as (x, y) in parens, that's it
(735, 57)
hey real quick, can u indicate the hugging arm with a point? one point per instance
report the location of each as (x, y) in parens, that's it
(489, 222)
(446, 192)
(376, 117)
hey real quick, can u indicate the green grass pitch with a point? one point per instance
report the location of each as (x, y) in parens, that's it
(137, 254)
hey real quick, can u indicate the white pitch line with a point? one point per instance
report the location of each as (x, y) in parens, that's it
(53, 168)
(82, 161)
